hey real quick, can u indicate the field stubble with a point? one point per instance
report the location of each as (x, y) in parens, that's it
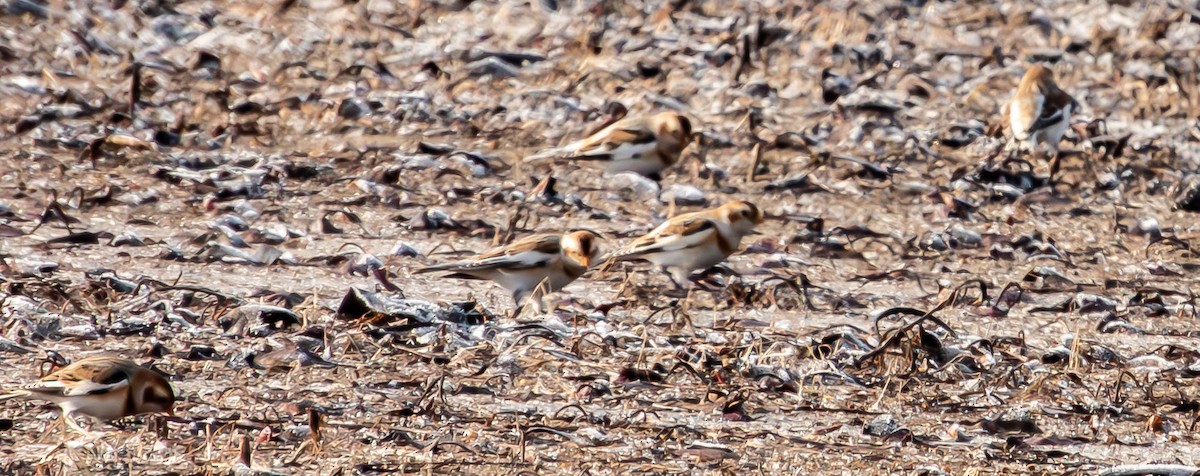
(239, 193)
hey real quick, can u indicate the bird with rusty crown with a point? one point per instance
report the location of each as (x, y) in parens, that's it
(530, 267)
(694, 241)
(103, 387)
(645, 145)
(1039, 113)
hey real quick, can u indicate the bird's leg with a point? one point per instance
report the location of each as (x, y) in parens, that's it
(538, 295)
(681, 278)
(1055, 156)
(682, 275)
(672, 277)
(518, 298)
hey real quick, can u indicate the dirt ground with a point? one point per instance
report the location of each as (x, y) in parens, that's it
(237, 194)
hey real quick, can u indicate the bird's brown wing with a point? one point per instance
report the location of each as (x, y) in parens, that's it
(622, 134)
(679, 234)
(1054, 106)
(528, 252)
(90, 376)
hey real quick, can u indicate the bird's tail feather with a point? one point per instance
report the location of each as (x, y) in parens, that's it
(433, 269)
(554, 152)
(543, 155)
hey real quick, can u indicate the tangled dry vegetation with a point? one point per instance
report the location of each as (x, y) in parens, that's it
(236, 193)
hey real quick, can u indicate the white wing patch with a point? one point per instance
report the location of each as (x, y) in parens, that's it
(82, 387)
(673, 242)
(623, 152)
(88, 387)
(523, 259)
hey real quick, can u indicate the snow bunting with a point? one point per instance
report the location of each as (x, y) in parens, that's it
(537, 264)
(645, 145)
(695, 241)
(1040, 112)
(105, 387)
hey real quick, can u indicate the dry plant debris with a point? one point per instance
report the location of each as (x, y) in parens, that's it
(237, 193)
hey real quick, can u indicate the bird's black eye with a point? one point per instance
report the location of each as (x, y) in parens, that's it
(115, 377)
(686, 125)
(583, 243)
(156, 397)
